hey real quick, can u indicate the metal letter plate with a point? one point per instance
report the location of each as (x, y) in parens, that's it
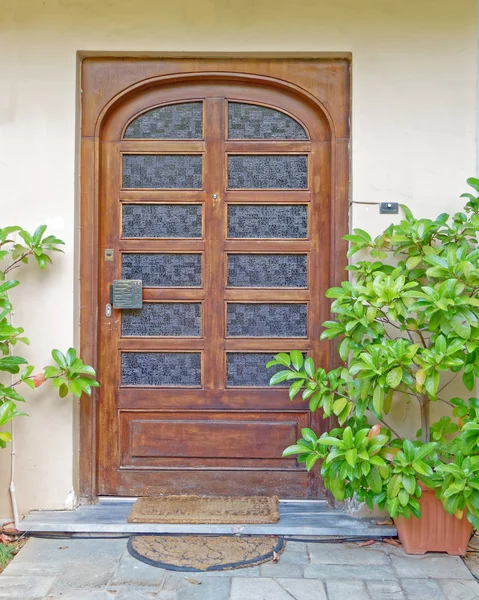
(127, 293)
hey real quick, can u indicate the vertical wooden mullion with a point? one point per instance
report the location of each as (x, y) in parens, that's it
(109, 356)
(319, 259)
(214, 275)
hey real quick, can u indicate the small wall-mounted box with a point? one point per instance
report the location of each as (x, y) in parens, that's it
(388, 208)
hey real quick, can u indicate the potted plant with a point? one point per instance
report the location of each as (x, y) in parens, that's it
(408, 327)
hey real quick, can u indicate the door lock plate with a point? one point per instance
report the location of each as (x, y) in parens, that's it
(127, 293)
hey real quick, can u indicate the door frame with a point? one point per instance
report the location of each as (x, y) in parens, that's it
(105, 82)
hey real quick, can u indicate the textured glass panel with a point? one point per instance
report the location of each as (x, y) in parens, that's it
(163, 270)
(162, 171)
(161, 221)
(268, 171)
(251, 122)
(163, 319)
(268, 270)
(177, 122)
(248, 369)
(267, 221)
(267, 320)
(161, 368)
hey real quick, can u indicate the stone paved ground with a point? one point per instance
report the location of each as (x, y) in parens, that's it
(79, 569)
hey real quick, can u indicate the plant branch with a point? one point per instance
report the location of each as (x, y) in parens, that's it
(445, 402)
(15, 264)
(390, 428)
(448, 382)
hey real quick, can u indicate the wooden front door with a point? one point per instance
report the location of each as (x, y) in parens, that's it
(216, 194)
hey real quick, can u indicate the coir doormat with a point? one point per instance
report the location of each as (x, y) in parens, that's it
(198, 509)
(204, 553)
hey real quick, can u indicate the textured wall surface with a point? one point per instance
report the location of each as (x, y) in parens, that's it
(413, 130)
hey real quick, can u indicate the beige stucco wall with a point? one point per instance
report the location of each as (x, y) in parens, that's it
(413, 130)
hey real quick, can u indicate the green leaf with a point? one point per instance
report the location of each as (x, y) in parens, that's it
(409, 483)
(294, 449)
(71, 356)
(409, 450)
(378, 400)
(297, 359)
(279, 377)
(309, 435)
(352, 456)
(374, 481)
(339, 405)
(10, 364)
(394, 486)
(422, 468)
(295, 387)
(309, 366)
(311, 460)
(59, 358)
(473, 182)
(283, 359)
(337, 488)
(63, 390)
(394, 377)
(461, 326)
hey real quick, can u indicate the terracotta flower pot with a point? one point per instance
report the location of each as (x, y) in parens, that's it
(435, 531)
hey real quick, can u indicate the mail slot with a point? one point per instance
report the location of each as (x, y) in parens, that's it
(127, 293)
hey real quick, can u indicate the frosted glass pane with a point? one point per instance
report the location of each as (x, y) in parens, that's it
(268, 270)
(268, 171)
(161, 221)
(162, 171)
(163, 319)
(249, 121)
(266, 320)
(163, 270)
(267, 221)
(176, 121)
(172, 369)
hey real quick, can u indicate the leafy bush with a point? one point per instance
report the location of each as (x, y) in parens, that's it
(408, 324)
(68, 373)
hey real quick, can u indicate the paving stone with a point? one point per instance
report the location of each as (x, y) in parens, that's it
(295, 555)
(295, 558)
(167, 595)
(25, 568)
(258, 589)
(385, 591)
(281, 569)
(80, 595)
(461, 589)
(133, 572)
(71, 550)
(85, 575)
(135, 593)
(303, 589)
(342, 554)
(211, 588)
(347, 590)
(422, 589)
(375, 572)
(13, 586)
(246, 572)
(296, 547)
(433, 566)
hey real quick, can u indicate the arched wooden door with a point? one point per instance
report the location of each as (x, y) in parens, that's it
(215, 194)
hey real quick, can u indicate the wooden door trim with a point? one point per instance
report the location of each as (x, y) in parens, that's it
(98, 102)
